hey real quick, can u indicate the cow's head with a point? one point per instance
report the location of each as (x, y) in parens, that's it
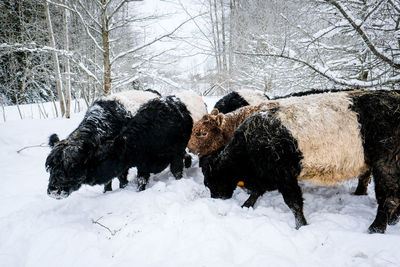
(207, 134)
(67, 166)
(221, 182)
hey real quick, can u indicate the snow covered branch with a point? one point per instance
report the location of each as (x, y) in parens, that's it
(327, 74)
(133, 50)
(86, 27)
(33, 49)
(363, 35)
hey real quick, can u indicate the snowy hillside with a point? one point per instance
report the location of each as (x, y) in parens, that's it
(172, 223)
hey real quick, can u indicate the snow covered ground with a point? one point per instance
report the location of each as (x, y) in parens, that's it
(172, 223)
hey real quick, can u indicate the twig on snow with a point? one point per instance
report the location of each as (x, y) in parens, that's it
(26, 147)
(112, 232)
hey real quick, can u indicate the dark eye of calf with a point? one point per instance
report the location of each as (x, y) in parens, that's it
(201, 134)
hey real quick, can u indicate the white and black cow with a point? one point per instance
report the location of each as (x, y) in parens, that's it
(247, 97)
(111, 139)
(324, 139)
(240, 98)
(216, 129)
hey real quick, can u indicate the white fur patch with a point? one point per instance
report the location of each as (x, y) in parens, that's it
(328, 135)
(253, 97)
(194, 103)
(132, 99)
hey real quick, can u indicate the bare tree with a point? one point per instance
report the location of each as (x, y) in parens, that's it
(56, 63)
(231, 29)
(215, 32)
(102, 22)
(89, 48)
(223, 37)
(343, 44)
(298, 45)
(67, 74)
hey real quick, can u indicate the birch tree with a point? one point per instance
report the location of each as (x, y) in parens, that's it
(56, 63)
(220, 29)
(103, 21)
(84, 49)
(67, 73)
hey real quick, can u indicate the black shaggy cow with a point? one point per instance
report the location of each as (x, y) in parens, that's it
(325, 139)
(110, 140)
(103, 121)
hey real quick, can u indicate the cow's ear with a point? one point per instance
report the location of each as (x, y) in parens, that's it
(206, 117)
(214, 112)
(220, 119)
(53, 139)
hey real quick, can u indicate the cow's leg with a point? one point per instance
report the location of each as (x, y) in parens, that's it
(386, 189)
(395, 217)
(123, 179)
(142, 180)
(188, 160)
(251, 200)
(293, 197)
(176, 167)
(386, 208)
(363, 182)
(107, 187)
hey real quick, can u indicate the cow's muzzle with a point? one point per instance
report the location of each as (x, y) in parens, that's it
(57, 193)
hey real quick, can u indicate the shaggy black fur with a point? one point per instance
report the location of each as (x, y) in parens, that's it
(266, 156)
(153, 139)
(68, 161)
(262, 167)
(379, 117)
(109, 141)
(230, 102)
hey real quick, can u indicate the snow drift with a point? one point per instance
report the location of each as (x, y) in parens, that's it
(173, 222)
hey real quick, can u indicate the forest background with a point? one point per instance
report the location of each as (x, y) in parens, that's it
(61, 51)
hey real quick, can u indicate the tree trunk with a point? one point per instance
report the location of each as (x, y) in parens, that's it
(217, 34)
(106, 52)
(67, 77)
(230, 63)
(214, 38)
(4, 112)
(55, 59)
(224, 66)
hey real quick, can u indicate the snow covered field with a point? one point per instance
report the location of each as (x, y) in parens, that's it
(172, 223)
